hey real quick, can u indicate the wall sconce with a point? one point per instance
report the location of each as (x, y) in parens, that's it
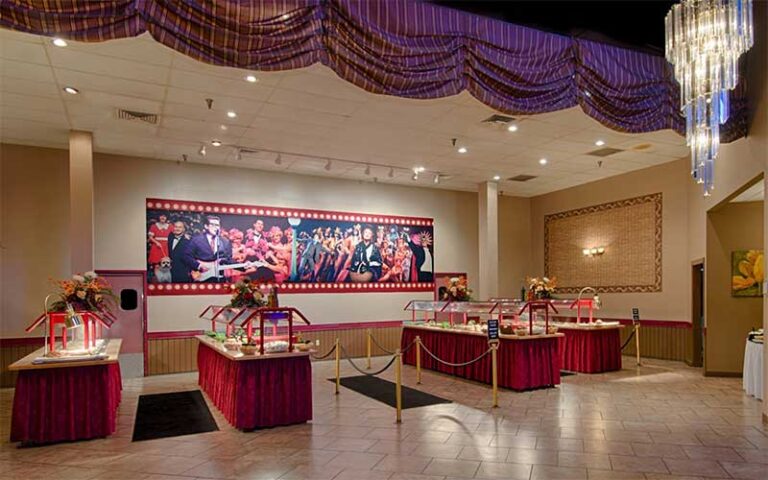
(593, 252)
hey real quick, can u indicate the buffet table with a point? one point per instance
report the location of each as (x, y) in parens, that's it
(525, 363)
(753, 369)
(590, 348)
(68, 400)
(256, 391)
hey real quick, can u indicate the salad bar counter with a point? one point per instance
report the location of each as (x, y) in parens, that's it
(591, 347)
(525, 362)
(255, 390)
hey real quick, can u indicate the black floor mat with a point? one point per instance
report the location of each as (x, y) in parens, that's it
(172, 415)
(566, 373)
(384, 391)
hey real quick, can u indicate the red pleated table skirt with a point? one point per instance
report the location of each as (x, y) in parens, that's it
(591, 351)
(524, 364)
(257, 393)
(66, 403)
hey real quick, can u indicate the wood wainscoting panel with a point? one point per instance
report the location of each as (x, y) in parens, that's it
(178, 355)
(172, 355)
(666, 343)
(8, 355)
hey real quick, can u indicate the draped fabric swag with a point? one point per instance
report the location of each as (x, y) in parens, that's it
(403, 48)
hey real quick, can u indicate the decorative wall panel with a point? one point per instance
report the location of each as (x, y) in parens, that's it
(630, 232)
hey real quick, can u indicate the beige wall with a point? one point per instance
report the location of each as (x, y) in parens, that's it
(514, 244)
(34, 246)
(734, 226)
(670, 179)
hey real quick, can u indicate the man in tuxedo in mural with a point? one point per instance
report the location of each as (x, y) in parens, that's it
(208, 251)
(178, 243)
(421, 266)
(256, 242)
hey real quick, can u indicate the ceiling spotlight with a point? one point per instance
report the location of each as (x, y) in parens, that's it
(328, 166)
(462, 150)
(497, 177)
(419, 169)
(251, 78)
(367, 169)
(599, 143)
(231, 114)
(216, 143)
(71, 90)
(239, 155)
(436, 180)
(391, 172)
(223, 127)
(542, 161)
(201, 151)
(285, 16)
(512, 128)
(59, 42)
(415, 176)
(278, 160)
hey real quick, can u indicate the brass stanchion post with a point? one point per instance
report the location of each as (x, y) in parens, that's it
(338, 365)
(368, 347)
(637, 342)
(495, 372)
(398, 385)
(418, 359)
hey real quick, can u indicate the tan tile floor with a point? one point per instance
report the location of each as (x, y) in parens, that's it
(661, 421)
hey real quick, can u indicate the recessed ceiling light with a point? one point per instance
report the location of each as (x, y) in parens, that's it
(419, 169)
(231, 114)
(251, 78)
(216, 143)
(512, 128)
(599, 143)
(542, 161)
(59, 42)
(71, 90)
(223, 127)
(497, 177)
(462, 150)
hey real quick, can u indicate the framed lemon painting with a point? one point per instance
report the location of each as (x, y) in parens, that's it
(747, 273)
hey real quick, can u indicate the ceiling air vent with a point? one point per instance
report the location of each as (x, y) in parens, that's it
(521, 178)
(149, 118)
(499, 120)
(604, 152)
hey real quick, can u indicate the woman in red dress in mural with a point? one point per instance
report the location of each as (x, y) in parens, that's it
(158, 239)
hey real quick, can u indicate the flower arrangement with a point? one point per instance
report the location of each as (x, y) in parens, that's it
(85, 292)
(542, 287)
(247, 294)
(456, 289)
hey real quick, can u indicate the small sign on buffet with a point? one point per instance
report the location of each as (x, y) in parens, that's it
(635, 315)
(493, 329)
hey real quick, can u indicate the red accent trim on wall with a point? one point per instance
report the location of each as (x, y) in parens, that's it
(299, 328)
(21, 341)
(240, 209)
(173, 289)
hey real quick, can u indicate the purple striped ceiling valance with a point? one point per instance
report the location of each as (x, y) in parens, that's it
(394, 47)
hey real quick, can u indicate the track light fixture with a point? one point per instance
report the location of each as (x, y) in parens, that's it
(391, 172)
(328, 166)
(367, 169)
(436, 180)
(201, 151)
(239, 155)
(278, 160)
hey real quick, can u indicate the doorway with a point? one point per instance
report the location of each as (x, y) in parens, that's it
(697, 313)
(131, 326)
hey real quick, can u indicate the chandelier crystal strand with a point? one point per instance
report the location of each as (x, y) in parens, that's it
(704, 40)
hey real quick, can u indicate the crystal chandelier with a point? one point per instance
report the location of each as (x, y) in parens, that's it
(704, 40)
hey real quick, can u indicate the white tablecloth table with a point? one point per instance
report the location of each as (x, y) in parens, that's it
(753, 369)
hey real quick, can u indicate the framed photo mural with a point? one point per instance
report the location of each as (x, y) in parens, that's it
(747, 273)
(201, 248)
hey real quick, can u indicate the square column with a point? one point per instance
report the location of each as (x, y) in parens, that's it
(488, 239)
(81, 201)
